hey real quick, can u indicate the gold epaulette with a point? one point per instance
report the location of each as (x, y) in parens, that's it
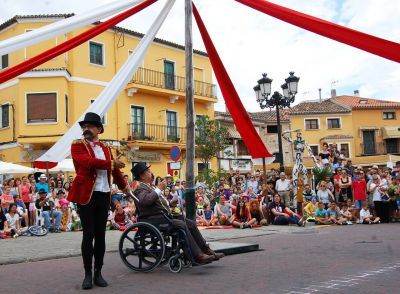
(79, 141)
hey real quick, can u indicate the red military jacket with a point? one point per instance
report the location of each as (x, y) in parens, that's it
(86, 164)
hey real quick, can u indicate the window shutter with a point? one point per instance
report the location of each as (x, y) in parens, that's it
(42, 107)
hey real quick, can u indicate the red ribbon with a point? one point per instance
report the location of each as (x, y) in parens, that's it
(369, 43)
(70, 44)
(240, 117)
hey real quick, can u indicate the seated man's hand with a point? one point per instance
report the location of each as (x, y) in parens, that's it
(286, 215)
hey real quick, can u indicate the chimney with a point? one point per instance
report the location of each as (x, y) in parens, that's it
(320, 95)
(333, 93)
(357, 93)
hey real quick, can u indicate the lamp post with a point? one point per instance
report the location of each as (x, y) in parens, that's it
(277, 101)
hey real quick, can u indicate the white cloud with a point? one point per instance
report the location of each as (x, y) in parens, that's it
(251, 43)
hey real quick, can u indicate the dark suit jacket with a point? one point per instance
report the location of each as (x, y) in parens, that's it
(149, 201)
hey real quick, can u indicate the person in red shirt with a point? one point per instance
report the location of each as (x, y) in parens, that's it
(359, 192)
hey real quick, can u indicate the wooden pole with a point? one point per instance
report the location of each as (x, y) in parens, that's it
(264, 168)
(190, 134)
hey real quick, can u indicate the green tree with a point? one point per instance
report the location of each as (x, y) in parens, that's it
(211, 138)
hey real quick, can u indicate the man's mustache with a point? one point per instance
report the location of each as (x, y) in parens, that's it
(87, 132)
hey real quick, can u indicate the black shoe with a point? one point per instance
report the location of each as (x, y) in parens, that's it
(87, 281)
(98, 279)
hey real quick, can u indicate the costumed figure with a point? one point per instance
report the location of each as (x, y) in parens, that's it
(299, 146)
(94, 165)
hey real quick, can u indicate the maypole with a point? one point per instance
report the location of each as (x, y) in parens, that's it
(190, 143)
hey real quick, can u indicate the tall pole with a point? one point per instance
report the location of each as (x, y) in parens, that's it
(278, 120)
(190, 143)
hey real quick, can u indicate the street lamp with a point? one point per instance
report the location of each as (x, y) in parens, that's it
(277, 101)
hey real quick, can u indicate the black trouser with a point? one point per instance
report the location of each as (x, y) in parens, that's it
(94, 219)
(196, 241)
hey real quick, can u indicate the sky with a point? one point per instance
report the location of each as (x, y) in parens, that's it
(251, 43)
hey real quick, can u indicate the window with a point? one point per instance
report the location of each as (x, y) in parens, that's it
(66, 109)
(41, 107)
(202, 166)
(312, 124)
(137, 122)
(333, 123)
(104, 117)
(5, 116)
(277, 156)
(392, 145)
(242, 149)
(4, 61)
(315, 150)
(345, 149)
(96, 53)
(389, 115)
(272, 129)
(369, 142)
(169, 74)
(172, 126)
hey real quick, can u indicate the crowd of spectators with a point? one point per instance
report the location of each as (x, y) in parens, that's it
(349, 195)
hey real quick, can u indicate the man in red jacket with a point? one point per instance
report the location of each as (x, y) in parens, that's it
(94, 165)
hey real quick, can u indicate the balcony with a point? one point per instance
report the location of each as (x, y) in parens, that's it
(156, 133)
(152, 78)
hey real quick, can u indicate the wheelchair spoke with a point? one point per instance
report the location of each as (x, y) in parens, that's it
(133, 241)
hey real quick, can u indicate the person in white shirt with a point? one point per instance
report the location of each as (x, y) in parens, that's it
(366, 217)
(283, 187)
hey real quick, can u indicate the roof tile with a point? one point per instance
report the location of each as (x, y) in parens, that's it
(356, 102)
(318, 107)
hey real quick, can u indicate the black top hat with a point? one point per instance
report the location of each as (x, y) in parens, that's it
(138, 169)
(92, 118)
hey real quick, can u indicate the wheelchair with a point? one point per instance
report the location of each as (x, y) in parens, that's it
(153, 242)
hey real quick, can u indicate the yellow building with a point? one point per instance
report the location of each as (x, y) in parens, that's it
(375, 128)
(149, 116)
(365, 130)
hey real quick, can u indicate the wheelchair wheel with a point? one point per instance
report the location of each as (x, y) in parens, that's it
(141, 247)
(175, 264)
(38, 231)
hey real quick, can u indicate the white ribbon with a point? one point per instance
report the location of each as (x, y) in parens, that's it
(107, 97)
(64, 26)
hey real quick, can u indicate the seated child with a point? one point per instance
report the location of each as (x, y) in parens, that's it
(366, 217)
(66, 217)
(310, 208)
(334, 215)
(119, 218)
(321, 215)
(21, 210)
(345, 213)
(75, 224)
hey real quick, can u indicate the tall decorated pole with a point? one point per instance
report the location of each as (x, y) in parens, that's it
(190, 143)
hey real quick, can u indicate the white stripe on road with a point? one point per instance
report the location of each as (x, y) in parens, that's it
(343, 282)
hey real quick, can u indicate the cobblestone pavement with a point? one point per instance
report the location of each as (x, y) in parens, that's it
(52, 246)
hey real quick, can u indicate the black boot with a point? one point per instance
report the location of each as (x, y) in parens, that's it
(98, 278)
(87, 281)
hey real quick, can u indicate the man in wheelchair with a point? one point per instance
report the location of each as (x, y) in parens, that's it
(152, 205)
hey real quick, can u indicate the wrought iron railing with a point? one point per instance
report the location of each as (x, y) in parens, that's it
(156, 133)
(162, 80)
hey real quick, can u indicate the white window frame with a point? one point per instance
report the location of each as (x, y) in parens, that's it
(177, 121)
(340, 123)
(144, 114)
(103, 46)
(41, 123)
(393, 112)
(339, 146)
(105, 115)
(1, 62)
(67, 107)
(312, 118)
(1, 115)
(313, 145)
(175, 75)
